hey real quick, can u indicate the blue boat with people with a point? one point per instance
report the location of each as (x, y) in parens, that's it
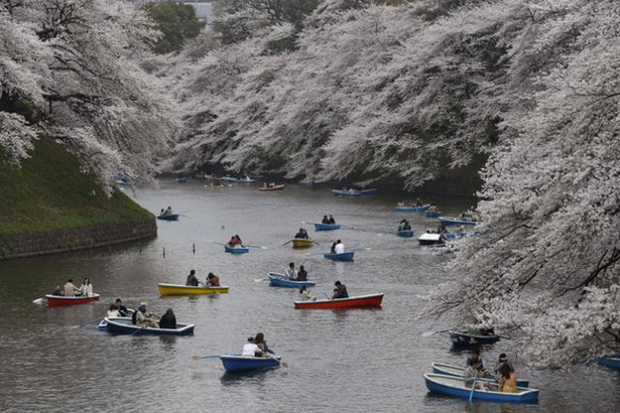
(446, 222)
(236, 249)
(173, 217)
(237, 363)
(325, 227)
(473, 337)
(455, 386)
(343, 256)
(280, 280)
(123, 325)
(406, 233)
(412, 208)
(432, 214)
(451, 370)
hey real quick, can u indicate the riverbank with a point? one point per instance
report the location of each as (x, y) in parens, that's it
(49, 206)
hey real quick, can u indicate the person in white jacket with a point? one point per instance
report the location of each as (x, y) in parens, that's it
(86, 289)
(339, 247)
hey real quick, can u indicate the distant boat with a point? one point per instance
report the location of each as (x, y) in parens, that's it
(236, 249)
(450, 370)
(456, 221)
(246, 180)
(280, 280)
(173, 217)
(466, 338)
(181, 289)
(454, 235)
(271, 188)
(302, 243)
(411, 208)
(361, 301)
(432, 214)
(63, 300)
(123, 325)
(181, 180)
(406, 233)
(613, 362)
(429, 238)
(235, 363)
(325, 227)
(454, 386)
(347, 193)
(344, 256)
(371, 191)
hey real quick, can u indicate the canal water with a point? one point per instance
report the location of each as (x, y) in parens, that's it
(345, 361)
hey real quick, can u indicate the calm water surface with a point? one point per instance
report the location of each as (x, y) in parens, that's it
(346, 361)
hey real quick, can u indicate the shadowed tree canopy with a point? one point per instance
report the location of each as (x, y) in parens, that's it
(177, 22)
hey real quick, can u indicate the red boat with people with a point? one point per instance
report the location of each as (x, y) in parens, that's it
(361, 301)
(61, 300)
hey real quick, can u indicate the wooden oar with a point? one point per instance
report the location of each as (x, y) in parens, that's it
(288, 242)
(314, 242)
(430, 333)
(218, 243)
(255, 246)
(96, 320)
(39, 300)
(205, 357)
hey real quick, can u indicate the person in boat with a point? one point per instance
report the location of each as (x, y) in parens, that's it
(113, 311)
(441, 229)
(333, 247)
(332, 220)
(302, 274)
(168, 320)
(143, 318)
(69, 288)
(339, 248)
(475, 353)
(57, 290)
(432, 208)
(472, 373)
(232, 241)
(325, 220)
(122, 310)
(503, 359)
(259, 340)
(167, 212)
(213, 280)
(291, 272)
(340, 291)
(304, 294)
(407, 226)
(507, 379)
(401, 225)
(302, 234)
(238, 241)
(250, 349)
(191, 279)
(86, 289)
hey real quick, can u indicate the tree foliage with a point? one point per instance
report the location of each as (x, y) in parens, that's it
(177, 22)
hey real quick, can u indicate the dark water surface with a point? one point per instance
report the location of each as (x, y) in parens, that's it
(346, 361)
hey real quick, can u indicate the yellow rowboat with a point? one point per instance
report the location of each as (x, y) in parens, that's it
(179, 289)
(302, 243)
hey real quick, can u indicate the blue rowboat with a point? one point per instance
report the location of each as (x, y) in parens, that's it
(446, 222)
(349, 193)
(123, 325)
(454, 235)
(103, 325)
(432, 214)
(449, 370)
(280, 280)
(454, 386)
(173, 217)
(326, 227)
(344, 256)
(371, 191)
(610, 361)
(234, 364)
(235, 250)
(407, 233)
(182, 180)
(406, 208)
(466, 339)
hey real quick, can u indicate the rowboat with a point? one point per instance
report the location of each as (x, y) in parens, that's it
(271, 188)
(61, 300)
(234, 364)
(236, 249)
(407, 208)
(246, 180)
(361, 301)
(465, 339)
(406, 233)
(181, 180)
(280, 280)
(180, 289)
(432, 214)
(370, 191)
(430, 239)
(347, 193)
(325, 227)
(123, 325)
(454, 235)
(103, 325)
(173, 217)
(450, 370)
(343, 256)
(456, 221)
(612, 362)
(302, 243)
(454, 386)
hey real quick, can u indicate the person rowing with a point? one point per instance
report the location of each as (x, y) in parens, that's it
(192, 281)
(340, 291)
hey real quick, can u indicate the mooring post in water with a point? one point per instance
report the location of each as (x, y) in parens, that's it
(164, 252)
(194, 248)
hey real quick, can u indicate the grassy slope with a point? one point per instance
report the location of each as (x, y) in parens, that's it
(50, 192)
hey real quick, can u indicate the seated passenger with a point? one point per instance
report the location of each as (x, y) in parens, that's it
(302, 274)
(332, 220)
(113, 311)
(302, 234)
(168, 320)
(325, 220)
(213, 280)
(507, 379)
(57, 290)
(191, 279)
(291, 272)
(250, 349)
(340, 291)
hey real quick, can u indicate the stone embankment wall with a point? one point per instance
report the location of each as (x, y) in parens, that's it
(65, 240)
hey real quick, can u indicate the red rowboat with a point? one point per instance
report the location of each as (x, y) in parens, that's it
(361, 301)
(271, 188)
(61, 300)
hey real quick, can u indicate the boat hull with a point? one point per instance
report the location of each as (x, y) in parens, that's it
(454, 386)
(235, 364)
(279, 280)
(345, 256)
(449, 370)
(173, 217)
(179, 289)
(461, 339)
(271, 188)
(61, 300)
(611, 362)
(430, 239)
(362, 301)
(408, 233)
(326, 227)
(302, 243)
(346, 194)
(124, 326)
(432, 214)
(421, 208)
(446, 222)
(236, 250)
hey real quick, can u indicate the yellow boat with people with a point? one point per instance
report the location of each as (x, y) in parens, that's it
(181, 289)
(302, 243)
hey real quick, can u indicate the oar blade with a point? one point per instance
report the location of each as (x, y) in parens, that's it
(38, 301)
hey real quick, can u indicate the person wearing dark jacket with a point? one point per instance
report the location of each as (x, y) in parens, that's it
(168, 320)
(302, 274)
(340, 291)
(191, 279)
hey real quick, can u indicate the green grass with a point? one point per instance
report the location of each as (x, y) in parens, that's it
(49, 192)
